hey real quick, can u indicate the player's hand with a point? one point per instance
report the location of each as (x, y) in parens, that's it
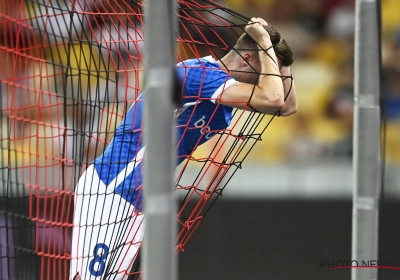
(256, 30)
(262, 21)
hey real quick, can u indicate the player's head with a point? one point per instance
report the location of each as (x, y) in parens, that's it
(245, 56)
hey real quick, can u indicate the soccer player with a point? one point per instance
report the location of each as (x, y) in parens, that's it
(108, 222)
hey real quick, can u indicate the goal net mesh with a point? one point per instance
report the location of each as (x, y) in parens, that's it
(70, 71)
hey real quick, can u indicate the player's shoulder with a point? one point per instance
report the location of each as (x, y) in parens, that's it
(206, 62)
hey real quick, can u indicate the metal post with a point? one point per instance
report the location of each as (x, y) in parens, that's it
(159, 255)
(366, 143)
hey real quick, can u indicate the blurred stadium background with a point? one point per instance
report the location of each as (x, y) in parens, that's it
(290, 206)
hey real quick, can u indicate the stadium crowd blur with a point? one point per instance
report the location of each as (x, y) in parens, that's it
(321, 34)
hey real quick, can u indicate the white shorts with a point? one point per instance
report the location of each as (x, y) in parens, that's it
(107, 232)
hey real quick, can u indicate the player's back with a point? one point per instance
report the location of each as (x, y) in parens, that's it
(198, 119)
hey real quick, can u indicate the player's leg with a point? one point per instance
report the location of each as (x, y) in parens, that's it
(107, 231)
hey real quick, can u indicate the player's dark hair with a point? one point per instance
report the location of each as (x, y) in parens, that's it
(283, 51)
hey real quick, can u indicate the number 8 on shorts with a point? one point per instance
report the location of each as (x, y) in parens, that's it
(98, 264)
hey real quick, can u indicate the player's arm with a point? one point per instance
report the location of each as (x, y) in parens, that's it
(290, 106)
(268, 96)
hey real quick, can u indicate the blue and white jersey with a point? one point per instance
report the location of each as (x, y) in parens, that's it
(198, 119)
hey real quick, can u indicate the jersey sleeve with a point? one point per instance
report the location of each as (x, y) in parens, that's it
(206, 82)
